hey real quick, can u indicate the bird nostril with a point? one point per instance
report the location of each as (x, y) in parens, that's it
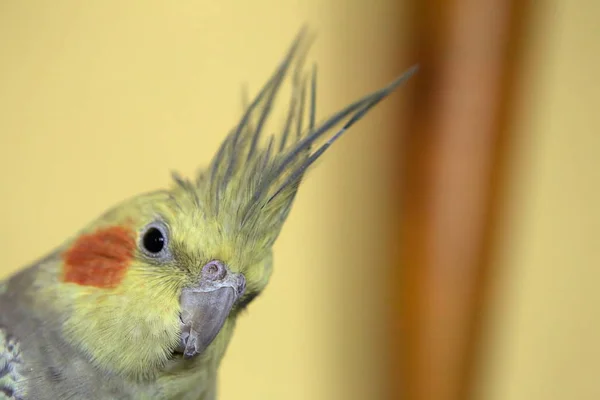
(214, 271)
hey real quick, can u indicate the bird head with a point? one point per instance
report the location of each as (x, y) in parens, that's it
(164, 275)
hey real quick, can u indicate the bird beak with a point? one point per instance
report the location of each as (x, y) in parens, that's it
(205, 307)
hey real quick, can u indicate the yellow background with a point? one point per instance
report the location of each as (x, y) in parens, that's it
(100, 100)
(542, 339)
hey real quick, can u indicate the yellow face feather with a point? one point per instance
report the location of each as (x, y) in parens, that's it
(124, 301)
(130, 324)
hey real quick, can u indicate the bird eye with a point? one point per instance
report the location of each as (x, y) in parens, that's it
(154, 240)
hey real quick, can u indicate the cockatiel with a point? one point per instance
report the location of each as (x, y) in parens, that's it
(142, 302)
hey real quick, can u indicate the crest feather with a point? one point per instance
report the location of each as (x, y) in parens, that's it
(249, 186)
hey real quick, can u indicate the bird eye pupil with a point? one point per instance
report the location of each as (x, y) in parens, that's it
(154, 240)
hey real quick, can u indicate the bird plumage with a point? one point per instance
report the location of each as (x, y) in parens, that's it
(101, 317)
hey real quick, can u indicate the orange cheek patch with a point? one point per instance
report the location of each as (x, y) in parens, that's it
(100, 259)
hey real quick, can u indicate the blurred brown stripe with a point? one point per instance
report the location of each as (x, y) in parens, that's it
(520, 13)
(452, 179)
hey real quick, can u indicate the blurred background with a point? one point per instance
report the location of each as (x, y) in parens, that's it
(446, 248)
